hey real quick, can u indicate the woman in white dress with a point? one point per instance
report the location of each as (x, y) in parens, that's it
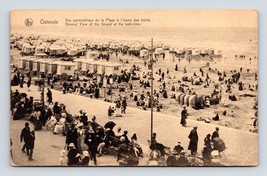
(59, 128)
(51, 123)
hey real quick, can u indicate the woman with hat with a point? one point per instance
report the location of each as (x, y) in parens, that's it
(73, 157)
(184, 115)
(85, 159)
(59, 128)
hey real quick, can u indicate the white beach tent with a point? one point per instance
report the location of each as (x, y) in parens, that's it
(86, 64)
(51, 66)
(43, 65)
(112, 68)
(99, 66)
(78, 63)
(91, 55)
(40, 51)
(29, 62)
(36, 64)
(65, 67)
(22, 62)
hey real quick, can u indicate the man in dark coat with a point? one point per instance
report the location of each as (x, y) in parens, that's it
(30, 144)
(72, 136)
(215, 133)
(73, 158)
(124, 105)
(49, 96)
(24, 136)
(193, 136)
(91, 141)
(184, 115)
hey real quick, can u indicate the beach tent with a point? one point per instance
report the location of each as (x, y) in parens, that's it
(99, 66)
(36, 64)
(86, 64)
(28, 49)
(91, 55)
(52, 66)
(29, 63)
(65, 67)
(78, 63)
(112, 68)
(159, 51)
(22, 62)
(72, 51)
(40, 50)
(43, 65)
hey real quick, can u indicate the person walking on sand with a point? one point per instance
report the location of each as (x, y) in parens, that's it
(30, 144)
(24, 136)
(184, 115)
(49, 96)
(29, 83)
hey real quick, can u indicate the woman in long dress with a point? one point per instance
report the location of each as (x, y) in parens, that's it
(59, 128)
(51, 123)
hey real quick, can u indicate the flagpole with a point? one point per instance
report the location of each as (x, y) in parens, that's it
(152, 97)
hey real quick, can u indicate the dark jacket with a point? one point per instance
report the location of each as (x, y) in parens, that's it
(215, 134)
(24, 136)
(30, 141)
(193, 136)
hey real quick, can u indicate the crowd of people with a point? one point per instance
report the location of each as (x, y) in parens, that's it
(85, 138)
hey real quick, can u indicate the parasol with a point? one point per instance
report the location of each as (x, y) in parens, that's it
(110, 125)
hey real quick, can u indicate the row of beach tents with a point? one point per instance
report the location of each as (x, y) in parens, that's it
(55, 66)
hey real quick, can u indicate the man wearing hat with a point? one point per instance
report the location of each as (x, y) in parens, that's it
(24, 136)
(84, 118)
(184, 115)
(73, 158)
(178, 148)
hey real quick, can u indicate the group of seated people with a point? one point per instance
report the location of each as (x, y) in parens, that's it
(21, 104)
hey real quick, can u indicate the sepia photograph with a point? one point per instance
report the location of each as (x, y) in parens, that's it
(171, 88)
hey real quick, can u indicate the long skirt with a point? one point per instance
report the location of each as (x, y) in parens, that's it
(59, 129)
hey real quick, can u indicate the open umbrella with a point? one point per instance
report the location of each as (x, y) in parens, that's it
(110, 125)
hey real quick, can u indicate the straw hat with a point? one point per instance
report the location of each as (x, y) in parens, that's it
(85, 153)
(71, 145)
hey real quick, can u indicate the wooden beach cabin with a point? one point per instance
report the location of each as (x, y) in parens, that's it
(91, 55)
(43, 65)
(78, 64)
(72, 51)
(51, 66)
(22, 62)
(40, 51)
(29, 63)
(112, 68)
(28, 49)
(36, 64)
(65, 67)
